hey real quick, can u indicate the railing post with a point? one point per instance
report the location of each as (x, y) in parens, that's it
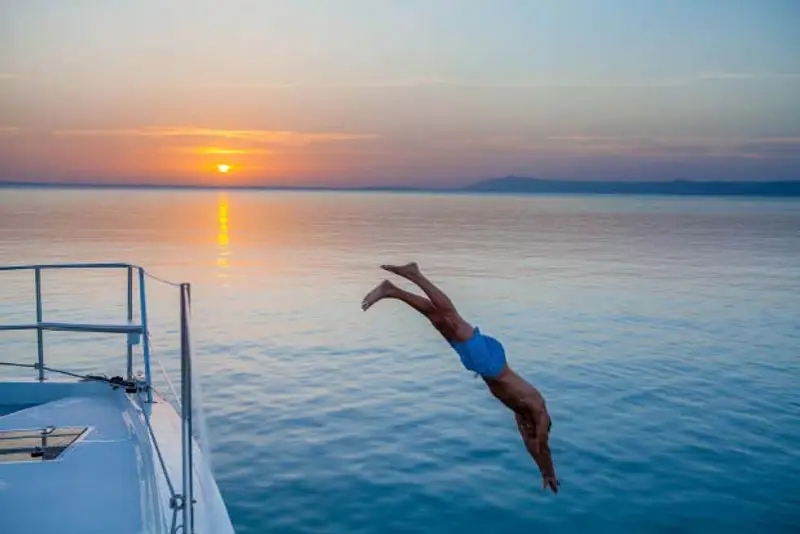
(186, 413)
(130, 321)
(39, 336)
(145, 335)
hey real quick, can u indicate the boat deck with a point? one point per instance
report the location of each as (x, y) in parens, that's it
(82, 455)
(95, 485)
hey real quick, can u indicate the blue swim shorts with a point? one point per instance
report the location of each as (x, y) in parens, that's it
(482, 354)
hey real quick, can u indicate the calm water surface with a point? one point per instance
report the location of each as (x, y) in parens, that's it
(663, 332)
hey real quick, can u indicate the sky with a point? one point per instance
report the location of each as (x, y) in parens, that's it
(411, 92)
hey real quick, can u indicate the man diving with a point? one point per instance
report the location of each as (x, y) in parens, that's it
(481, 354)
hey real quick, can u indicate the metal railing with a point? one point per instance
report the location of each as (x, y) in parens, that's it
(129, 329)
(186, 412)
(178, 502)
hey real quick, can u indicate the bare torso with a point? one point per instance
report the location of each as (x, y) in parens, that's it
(514, 391)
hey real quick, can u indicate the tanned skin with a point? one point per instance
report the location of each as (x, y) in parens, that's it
(528, 405)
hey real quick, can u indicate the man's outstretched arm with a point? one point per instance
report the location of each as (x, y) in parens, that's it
(533, 420)
(535, 429)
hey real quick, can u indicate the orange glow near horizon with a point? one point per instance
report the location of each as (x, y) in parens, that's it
(191, 155)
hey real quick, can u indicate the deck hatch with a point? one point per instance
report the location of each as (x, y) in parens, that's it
(37, 444)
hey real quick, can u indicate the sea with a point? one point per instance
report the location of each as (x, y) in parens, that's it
(664, 333)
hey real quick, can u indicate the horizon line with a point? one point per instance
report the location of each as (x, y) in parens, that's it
(504, 184)
(458, 186)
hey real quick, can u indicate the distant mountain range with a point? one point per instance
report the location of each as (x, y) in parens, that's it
(508, 184)
(514, 184)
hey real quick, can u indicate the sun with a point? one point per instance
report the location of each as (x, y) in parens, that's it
(223, 168)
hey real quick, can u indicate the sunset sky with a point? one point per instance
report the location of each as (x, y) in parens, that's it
(440, 92)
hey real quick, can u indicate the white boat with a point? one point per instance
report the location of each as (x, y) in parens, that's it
(84, 454)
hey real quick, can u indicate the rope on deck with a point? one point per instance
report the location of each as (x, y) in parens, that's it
(97, 378)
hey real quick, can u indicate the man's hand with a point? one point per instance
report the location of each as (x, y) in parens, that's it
(543, 459)
(551, 482)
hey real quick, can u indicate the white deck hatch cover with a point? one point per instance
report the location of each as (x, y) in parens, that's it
(40, 444)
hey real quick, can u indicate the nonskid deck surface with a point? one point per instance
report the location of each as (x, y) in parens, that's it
(97, 484)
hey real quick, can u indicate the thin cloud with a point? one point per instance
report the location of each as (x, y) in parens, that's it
(780, 140)
(8, 130)
(727, 76)
(684, 81)
(676, 82)
(774, 147)
(7, 76)
(215, 151)
(393, 83)
(579, 84)
(748, 76)
(644, 146)
(276, 137)
(582, 139)
(245, 85)
(661, 147)
(425, 82)
(544, 84)
(785, 76)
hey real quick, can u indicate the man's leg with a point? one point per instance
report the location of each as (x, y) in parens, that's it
(448, 321)
(387, 290)
(412, 273)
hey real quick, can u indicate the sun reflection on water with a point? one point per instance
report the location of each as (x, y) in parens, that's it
(223, 236)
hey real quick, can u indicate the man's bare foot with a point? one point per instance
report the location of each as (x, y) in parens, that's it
(409, 269)
(380, 292)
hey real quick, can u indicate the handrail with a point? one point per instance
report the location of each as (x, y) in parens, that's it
(41, 325)
(146, 340)
(186, 412)
(129, 359)
(43, 266)
(39, 312)
(77, 327)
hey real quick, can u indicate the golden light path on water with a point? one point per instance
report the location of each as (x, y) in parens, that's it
(223, 236)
